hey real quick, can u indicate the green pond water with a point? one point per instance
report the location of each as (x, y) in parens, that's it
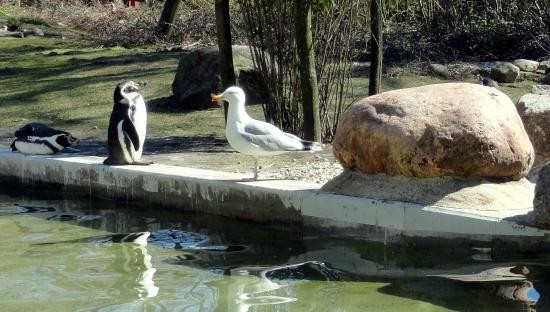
(59, 255)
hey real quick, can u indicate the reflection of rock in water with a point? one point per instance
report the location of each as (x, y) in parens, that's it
(509, 283)
(256, 286)
(522, 291)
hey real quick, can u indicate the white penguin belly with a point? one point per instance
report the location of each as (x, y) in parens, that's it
(140, 123)
(31, 148)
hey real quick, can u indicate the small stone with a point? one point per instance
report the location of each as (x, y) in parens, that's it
(439, 70)
(540, 89)
(526, 65)
(544, 65)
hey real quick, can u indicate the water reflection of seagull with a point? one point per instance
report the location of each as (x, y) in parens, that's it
(253, 292)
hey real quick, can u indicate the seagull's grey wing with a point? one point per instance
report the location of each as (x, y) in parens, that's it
(269, 138)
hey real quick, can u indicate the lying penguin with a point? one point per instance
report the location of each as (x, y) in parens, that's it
(127, 126)
(39, 139)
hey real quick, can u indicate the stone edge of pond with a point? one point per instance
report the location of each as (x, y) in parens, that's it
(267, 201)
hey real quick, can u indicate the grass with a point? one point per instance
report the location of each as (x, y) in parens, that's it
(73, 89)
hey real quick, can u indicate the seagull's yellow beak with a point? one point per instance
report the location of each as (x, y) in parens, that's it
(216, 97)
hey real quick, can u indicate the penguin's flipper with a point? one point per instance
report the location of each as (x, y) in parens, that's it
(130, 130)
(13, 148)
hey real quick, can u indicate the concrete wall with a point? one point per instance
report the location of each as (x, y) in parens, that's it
(274, 201)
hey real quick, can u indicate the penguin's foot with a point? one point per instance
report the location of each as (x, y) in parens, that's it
(142, 163)
(111, 162)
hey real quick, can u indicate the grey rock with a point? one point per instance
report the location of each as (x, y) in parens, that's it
(534, 110)
(35, 31)
(526, 65)
(505, 72)
(198, 76)
(540, 89)
(439, 70)
(360, 69)
(544, 65)
(541, 202)
(546, 78)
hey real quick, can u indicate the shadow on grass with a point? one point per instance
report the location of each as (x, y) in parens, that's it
(31, 97)
(51, 79)
(165, 104)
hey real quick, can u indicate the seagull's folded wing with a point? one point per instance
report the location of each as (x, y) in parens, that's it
(270, 138)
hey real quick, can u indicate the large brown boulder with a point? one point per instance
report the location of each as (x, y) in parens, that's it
(453, 129)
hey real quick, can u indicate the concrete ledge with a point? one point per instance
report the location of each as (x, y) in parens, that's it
(270, 201)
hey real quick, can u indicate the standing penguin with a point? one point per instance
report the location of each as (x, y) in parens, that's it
(127, 126)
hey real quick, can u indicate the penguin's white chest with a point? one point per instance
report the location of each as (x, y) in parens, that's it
(138, 114)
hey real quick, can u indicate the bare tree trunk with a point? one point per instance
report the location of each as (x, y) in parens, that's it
(168, 16)
(227, 71)
(376, 46)
(308, 76)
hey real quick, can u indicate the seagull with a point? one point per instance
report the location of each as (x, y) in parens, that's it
(254, 137)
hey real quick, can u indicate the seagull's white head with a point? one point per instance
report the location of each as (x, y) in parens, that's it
(233, 95)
